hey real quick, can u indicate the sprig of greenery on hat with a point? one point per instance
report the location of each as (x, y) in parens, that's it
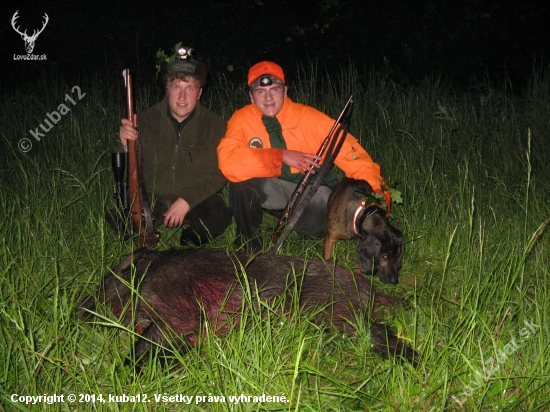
(163, 57)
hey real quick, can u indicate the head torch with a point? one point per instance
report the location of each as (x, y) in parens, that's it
(185, 52)
(185, 64)
(265, 80)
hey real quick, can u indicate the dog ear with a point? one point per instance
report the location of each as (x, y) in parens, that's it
(367, 251)
(390, 256)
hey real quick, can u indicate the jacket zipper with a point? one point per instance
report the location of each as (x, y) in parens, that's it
(174, 161)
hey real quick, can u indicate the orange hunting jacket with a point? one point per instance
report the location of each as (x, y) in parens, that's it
(304, 129)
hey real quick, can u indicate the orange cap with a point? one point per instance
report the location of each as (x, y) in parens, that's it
(265, 67)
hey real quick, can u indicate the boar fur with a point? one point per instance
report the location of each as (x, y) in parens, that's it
(180, 290)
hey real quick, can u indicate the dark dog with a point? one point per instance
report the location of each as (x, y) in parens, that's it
(350, 216)
(178, 291)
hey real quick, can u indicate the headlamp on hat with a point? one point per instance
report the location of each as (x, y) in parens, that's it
(263, 69)
(181, 62)
(185, 52)
(264, 81)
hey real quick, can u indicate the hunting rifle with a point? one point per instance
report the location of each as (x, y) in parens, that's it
(140, 208)
(297, 203)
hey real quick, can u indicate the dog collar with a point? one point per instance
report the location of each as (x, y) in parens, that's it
(361, 213)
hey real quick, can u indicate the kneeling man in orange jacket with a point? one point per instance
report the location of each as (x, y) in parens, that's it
(270, 144)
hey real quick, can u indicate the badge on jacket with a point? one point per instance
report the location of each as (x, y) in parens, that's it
(256, 143)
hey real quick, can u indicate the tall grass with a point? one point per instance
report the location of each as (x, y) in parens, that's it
(473, 170)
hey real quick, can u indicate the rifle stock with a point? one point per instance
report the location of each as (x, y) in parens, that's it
(147, 237)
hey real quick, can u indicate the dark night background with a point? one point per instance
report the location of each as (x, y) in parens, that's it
(458, 39)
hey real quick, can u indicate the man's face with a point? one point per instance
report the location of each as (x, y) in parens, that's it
(269, 99)
(183, 97)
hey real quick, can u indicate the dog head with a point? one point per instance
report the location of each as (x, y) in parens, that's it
(381, 249)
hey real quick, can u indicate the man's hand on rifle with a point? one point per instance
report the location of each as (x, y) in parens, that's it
(127, 131)
(175, 215)
(304, 162)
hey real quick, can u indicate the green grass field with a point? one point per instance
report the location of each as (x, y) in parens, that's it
(473, 169)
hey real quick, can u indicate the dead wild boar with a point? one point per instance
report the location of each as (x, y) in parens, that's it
(179, 290)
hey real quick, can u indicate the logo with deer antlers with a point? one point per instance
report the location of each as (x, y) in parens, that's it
(29, 40)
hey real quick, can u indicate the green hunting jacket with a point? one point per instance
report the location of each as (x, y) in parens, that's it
(186, 167)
